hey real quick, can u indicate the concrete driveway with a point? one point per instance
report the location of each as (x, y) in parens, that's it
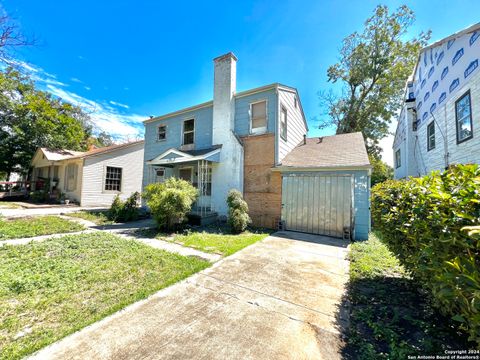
(277, 299)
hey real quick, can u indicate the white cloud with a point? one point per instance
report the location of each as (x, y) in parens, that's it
(105, 118)
(119, 104)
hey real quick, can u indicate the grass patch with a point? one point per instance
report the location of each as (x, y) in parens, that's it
(53, 288)
(9, 205)
(391, 317)
(98, 217)
(210, 239)
(36, 226)
(224, 244)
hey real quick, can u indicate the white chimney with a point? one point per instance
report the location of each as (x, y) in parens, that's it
(224, 87)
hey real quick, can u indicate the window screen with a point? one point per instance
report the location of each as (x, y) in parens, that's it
(188, 132)
(463, 112)
(259, 115)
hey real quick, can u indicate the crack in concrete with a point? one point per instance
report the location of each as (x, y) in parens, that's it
(269, 309)
(268, 295)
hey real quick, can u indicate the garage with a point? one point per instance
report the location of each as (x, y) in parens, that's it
(318, 204)
(326, 187)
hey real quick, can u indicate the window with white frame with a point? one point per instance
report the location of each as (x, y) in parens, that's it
(71, 171)
(162, 133)
(258, 114)
(463, 115)
(113, 178)
(188, 132)
(398, 159)
(160, 174)
(431, 136)
(283, 123)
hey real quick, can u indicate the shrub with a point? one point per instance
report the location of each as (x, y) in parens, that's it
(123, 211)
(425, 222)
(238, 218)
(169, 202)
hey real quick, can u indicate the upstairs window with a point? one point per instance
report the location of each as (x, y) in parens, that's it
(113, 179)
(162, 133)
(188, 132)
(258, 115)
(398, 159)
(463, 114)
(283, 124)
(431, 136)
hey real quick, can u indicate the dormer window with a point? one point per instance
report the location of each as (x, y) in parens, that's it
(258, 116)
(188, 132)
(162, 133)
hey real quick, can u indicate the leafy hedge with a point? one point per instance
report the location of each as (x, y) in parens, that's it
(425, 221)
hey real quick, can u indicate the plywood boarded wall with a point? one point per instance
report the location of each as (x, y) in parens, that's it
(262, 187)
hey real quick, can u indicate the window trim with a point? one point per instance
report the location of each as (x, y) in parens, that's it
(467, 93)
(283, 109)
(105, 180)
(158, 131)
(263, 129)
(398, 163)
(431, 124)
(156, 174)
(192, 131)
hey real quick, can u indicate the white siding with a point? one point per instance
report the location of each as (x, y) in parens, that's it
(295, 123)
(130, 159)
(444, 74)
(465, 152)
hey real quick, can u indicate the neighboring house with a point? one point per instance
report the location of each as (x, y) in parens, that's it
(242, 139)
(437, 124)
(91, 178)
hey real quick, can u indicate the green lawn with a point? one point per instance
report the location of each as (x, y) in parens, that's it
(53, 288)
(9, 205)
(391, 317)
(35, 226)
(97, 217)
(210, 239)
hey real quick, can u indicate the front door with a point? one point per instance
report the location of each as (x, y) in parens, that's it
(185, 174)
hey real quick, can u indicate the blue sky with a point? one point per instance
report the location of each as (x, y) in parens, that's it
(125, 60)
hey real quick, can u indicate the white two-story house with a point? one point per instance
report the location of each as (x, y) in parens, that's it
(441, 114)
(255, 141)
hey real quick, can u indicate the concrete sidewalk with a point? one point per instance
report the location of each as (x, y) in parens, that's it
(281, 298)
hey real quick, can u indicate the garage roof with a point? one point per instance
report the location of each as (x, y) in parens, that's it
(344, 150)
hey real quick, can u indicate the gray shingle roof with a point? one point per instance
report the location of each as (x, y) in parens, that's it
(345, 150)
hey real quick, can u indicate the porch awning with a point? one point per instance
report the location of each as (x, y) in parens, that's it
(175, 156)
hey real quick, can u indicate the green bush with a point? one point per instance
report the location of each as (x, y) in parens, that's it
(170, 201)
(124, 211)
(425, 222)
(238, 218)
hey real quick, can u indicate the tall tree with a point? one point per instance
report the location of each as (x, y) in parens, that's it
(373, 68)
(30, 118)
(102, 139)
